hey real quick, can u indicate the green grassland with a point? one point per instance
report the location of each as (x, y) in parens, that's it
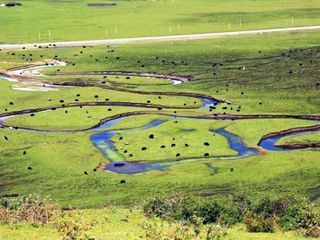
(71, 154)
(113, 80)
(25, 99)
(280, 77)
(267, 59)
(70, 119)
(74, 20)
(59, 160)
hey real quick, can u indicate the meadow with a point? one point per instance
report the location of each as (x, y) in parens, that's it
(48, 21)
(271, 74)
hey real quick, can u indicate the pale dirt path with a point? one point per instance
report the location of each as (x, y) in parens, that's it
(155, 39)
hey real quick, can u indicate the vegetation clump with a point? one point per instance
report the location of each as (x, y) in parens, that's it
(31, 208)
(264, 215)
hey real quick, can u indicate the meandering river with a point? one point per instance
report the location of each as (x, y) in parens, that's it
(101, 137)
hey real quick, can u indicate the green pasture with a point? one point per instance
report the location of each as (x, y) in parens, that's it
(263, 74)
(278, 68)
(47, 21)
(60, 159)
(110, 79)
(14, 100)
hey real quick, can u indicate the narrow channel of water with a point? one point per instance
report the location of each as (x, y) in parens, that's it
(103, 140)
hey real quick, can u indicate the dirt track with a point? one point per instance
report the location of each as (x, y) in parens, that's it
(154, 39)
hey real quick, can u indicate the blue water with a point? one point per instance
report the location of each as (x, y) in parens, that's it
(270, 142)
(208, 102)
(8, 78)
(236, 143)
(102, 141)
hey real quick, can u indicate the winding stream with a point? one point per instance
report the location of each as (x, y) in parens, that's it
(102, 139)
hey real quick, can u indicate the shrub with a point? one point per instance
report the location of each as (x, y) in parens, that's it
(163, 207)
(31, 208)
(263, 216)
(209, 212)
(312, 231)
(183, 231)
(158, 231)
(75, 228)
(265, 208)
(215, 232)
(300, 215)
(259, 223)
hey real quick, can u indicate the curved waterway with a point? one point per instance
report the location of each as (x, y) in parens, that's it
(102, 138)
(103, 142)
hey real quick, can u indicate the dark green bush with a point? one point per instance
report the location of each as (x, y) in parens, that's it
(258, 223)
(165, 207)
(227, 212)
(262, 216)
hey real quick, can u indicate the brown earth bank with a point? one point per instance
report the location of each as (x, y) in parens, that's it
(300, 146)
(294, 130)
